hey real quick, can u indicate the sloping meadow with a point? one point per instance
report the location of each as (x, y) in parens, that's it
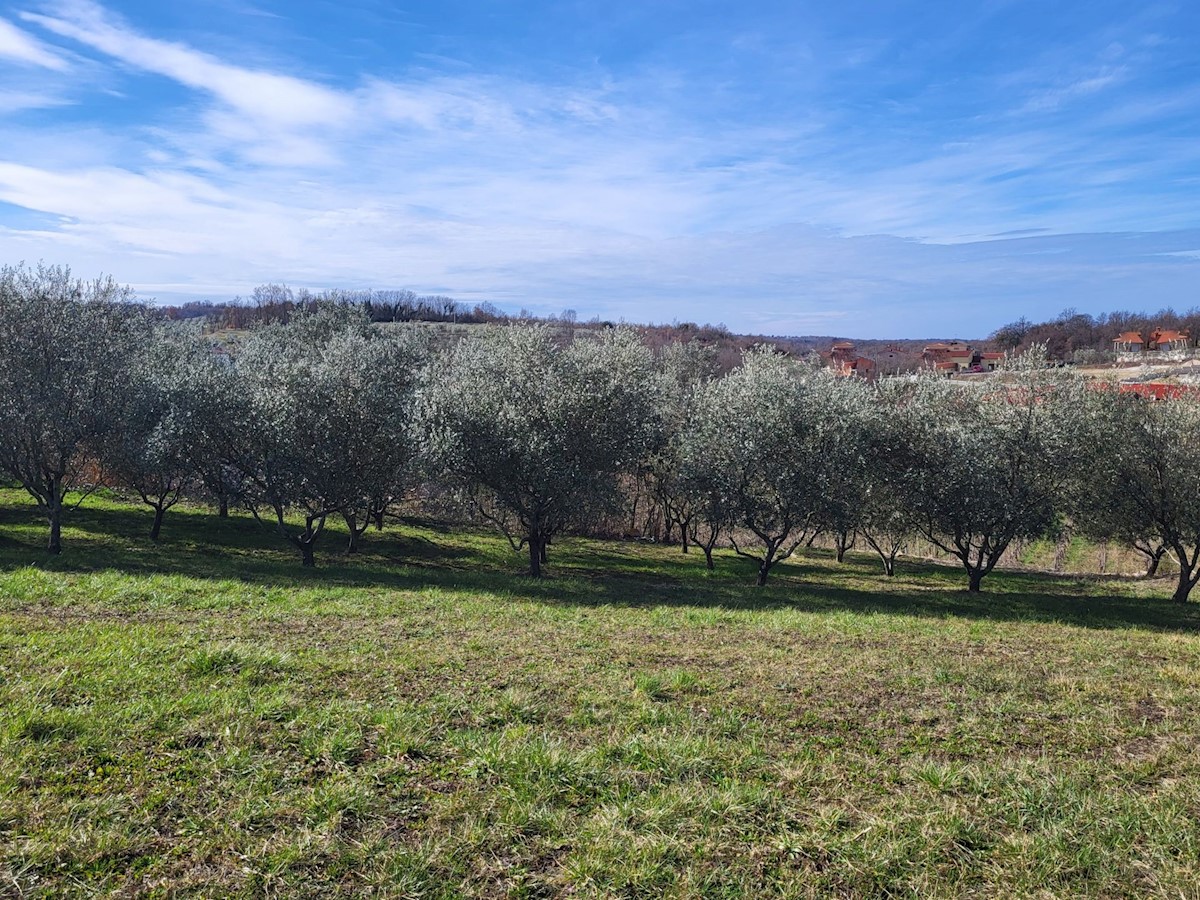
(204, 717)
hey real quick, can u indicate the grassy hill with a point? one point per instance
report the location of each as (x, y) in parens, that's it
(206, 718)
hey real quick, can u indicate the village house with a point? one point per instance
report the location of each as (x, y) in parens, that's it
(1164, 339)
(949, 357)
(843, 358)
(990, 361)
(1159, 339)
(1128, 342)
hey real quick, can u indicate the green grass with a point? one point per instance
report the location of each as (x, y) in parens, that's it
(205, 718)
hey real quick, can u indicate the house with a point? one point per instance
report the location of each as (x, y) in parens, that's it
(990, 361)
(1164, 339)
(1128, 342)
(843, 359)
(858, 365)
(951, 356)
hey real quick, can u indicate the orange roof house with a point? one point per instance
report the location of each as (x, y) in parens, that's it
(1164, 339)
(858, 365)
(990, 361)
(1128, 341)
(956, 354)
(845, 361)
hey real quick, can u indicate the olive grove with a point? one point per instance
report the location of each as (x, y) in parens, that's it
(552, 428)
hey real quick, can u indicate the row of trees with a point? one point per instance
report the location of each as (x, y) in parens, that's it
(539, 430)
(277, 302)
(1076, 335)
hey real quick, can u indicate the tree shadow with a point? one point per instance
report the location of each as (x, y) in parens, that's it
(416, 557)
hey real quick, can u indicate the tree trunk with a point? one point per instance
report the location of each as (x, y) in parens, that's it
(843, 541)
(156, 528)
(535, 556)
(1155, 559)
(351, 526)
(683, 535)
(976, 580)
(542, 545)
(377, 513)
(306, 541)
(1184, 586)
(54, 511)
(889, 566)
(763, 571)
(708, 560)
(54, 545)
(223, 505)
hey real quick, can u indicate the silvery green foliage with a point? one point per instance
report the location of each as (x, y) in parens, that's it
(218, 410)
(65, 346)
(685, 369)
(535, 427)
(993, 461)
(882, 513)
(771, 451)
(327, 418)
(1143, 482)
(169, 415)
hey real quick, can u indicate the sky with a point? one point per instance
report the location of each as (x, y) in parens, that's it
(860, 169)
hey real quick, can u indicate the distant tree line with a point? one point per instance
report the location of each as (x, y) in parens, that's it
(1075, 335)
(277, 303)
(540, 429)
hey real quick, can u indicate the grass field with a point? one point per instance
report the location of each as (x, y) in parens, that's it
(206, 718)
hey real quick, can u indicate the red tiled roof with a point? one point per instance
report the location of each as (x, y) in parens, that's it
(1158, 391)
(1163, 336)
(1128, 337)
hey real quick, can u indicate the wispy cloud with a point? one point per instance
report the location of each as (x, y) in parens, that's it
(21, 47)
(706, 187)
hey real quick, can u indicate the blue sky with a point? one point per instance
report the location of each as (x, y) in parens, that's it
(863, 169)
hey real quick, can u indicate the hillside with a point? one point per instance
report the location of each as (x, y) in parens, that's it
(203, 717)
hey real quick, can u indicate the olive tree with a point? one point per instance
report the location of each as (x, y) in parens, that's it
(883, 514)
(685, 369)
(168, 421)
(65, 347)
(773, 450)
(993, 462)
(1143, 485)
(327, 428)
(534, 426)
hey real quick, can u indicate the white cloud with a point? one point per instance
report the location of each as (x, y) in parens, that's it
(264, 96)
(608, 195)
(21, 47)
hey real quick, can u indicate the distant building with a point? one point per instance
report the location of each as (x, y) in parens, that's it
(1128, 342)
(951, 356)
(990, 361)
(1159, 339)
(1164, 339)
(843, 359)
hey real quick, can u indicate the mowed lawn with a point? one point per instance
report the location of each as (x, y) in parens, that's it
(205, 718)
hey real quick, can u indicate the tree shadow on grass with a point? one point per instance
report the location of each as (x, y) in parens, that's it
(418, 558)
